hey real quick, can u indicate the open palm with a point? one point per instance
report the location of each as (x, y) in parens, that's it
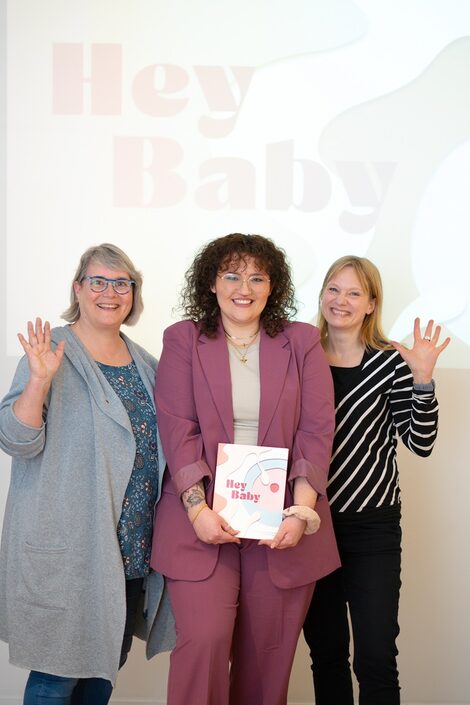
(422, 357)
(43, 360)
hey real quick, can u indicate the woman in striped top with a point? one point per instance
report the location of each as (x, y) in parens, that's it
(381, 389)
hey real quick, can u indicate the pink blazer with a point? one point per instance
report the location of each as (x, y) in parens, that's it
(194, 414)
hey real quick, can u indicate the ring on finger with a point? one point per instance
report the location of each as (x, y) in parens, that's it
(427, 337)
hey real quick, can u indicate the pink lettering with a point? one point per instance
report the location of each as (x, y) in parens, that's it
(144, 173)
(104, 81)
(154, 84)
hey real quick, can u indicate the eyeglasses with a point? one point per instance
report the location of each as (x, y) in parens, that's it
(255, 281)
(100, 284)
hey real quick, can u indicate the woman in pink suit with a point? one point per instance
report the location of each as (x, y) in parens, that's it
(237, 371)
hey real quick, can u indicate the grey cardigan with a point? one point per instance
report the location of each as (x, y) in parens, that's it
(62, 585)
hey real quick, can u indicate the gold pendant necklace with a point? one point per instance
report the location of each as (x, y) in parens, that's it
(241, 354)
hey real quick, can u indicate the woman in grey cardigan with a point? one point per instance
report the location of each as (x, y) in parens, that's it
(79, 423)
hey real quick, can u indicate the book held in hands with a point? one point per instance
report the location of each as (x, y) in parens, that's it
(250, 483)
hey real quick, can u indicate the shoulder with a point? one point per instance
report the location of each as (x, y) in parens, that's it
(137, 350)
(381, 356)
(387, 360)
(181, 331)
(301, 334)
(60, 333)
(145, 355)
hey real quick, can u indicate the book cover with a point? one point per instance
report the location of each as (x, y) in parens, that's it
(250, 483)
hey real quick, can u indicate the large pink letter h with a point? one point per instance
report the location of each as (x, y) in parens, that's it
(105, 80)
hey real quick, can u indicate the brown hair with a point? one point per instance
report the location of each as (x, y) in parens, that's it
(113, 257)
(372, 335)
(199, 303)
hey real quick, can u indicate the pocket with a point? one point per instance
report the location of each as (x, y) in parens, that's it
(43, 574)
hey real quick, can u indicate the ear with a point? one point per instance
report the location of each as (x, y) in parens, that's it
(371, 306)
(213, 288)
(76, 288)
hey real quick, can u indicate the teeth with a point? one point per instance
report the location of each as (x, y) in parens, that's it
(242, 301)
(336, 312)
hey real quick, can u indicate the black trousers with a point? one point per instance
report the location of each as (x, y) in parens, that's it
(369, 583)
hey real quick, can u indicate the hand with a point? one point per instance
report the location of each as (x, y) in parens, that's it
(43, 361)
(288, 535)
(422, 357)
(210, 527)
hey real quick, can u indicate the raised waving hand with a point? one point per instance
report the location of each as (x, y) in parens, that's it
(43, 360)
(422, 357)
(43, 364)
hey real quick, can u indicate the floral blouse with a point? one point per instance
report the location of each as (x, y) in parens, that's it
(136, 522)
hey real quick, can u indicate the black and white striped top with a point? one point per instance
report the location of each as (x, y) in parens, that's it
(373, 402)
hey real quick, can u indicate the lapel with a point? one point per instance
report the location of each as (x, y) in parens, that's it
(274, 356)
(213, 356)
(104, 396)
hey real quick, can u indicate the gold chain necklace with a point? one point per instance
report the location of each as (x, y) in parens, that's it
(242, 354)
(235, 337)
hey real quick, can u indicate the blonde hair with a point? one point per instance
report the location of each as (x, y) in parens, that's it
(372, 335)
(113, 257)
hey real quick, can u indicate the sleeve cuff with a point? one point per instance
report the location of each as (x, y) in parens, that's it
(427, 387)
(19, 439)
(189, 475)
(314, 475)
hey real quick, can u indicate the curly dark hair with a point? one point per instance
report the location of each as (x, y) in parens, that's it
(199, 303)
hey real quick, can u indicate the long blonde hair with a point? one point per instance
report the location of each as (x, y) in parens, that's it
(372, 335)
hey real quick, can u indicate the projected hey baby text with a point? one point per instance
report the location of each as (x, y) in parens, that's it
(152, 171)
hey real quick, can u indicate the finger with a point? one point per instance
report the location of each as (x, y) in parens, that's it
(278, 540)
(228, 538)
(230, 530)
(398, 346)
(428, 331)
(39, 332)
(436, 334)
(417, 329)
(284, 542)
(24, 343)
(31, 334)
(443, 345)
(47, 333)
(59, 351)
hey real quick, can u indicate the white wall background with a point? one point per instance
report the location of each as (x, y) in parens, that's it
(333, 126)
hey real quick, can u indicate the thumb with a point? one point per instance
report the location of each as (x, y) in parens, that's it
(398, 346)
(230, 530)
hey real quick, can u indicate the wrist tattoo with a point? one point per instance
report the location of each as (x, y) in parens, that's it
(193, 496)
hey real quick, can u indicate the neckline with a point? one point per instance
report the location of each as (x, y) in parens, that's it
(353, 367)
(115, 367)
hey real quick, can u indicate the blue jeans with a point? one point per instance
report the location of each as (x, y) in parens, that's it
(369, 583)
(47, 689)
